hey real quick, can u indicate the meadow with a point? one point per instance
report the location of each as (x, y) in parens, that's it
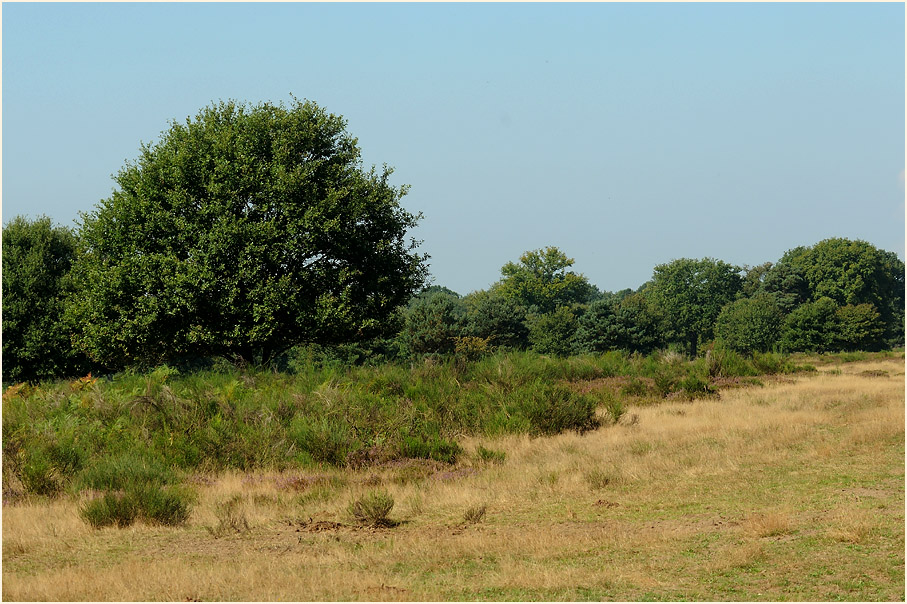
(660, 479)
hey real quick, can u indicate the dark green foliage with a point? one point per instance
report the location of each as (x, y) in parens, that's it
(854, 272)
(242, 232)
(860, 327)
(554, 332)
(169, 506)
(691, 294)
(811, 327)
(628, 323)
(553, 408)
(499, 319)
(615, 408)
(36, 342)
(432, 322)
(430, 447)
(770, 363)
(750, 325)
(787, 283)
(695, 386)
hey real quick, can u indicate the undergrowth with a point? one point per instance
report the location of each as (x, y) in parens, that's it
(132, 436)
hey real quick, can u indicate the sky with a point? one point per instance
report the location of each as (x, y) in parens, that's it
(627, 135)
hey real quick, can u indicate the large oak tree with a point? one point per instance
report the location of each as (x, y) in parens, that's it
(242, 232)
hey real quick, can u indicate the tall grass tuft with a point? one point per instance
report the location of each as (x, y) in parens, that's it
(373, 508)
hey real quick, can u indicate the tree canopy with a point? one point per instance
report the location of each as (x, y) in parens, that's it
(242, 232)
(541, 280)
(691, 293)
(37, 257)
(852, 272)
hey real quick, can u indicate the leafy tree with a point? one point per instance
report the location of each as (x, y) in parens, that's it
(754, 278)
(242, 232)
(811, 327)
(555, 332)
(787, 283)
(629, 323)
(432, 323)
(36, 261)
(691, 293)
(854, 272)
(496, 318)
(541, 280)
(860, 327)
(750, 324)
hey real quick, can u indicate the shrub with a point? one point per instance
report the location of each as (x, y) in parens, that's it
(470, 348)
(326, 440)
(554, 332)
(770, 363)
(432, 323)
(634, 387)
(490, 456)
(430, 447)
(552, 409)
(163, 505)
(497, 319)
(38, 474)
(695, 386)
(724, 362)
(126, 472)
(153, 503)
(665, 379)
(474, 514)
(373, 508)
(112, 509)
(615, 408)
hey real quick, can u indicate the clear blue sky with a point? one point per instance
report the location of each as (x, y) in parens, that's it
(625, 134)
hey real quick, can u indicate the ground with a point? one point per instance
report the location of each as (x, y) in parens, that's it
(793, 490)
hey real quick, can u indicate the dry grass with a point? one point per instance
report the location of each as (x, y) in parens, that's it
(794, 491)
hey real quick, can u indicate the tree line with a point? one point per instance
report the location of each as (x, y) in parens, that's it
(254, 232)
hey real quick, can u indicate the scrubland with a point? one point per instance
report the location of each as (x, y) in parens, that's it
(787, 489)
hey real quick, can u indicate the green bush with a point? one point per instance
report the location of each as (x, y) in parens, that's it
(373, 508)
(724, 362)
(152, 503)
(750, 324)
(37, 257)
(111, 509)
(490, 456)
(38, 474)
(430, 447)
(326, 440)
(615, 408)
(163, 505)
(770, 363)
(554, 332)
(125, 472)
(554, 408)
(695, 386)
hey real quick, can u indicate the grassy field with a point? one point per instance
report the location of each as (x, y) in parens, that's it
(793, 490)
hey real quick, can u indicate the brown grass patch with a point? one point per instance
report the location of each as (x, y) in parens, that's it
(756, 496)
